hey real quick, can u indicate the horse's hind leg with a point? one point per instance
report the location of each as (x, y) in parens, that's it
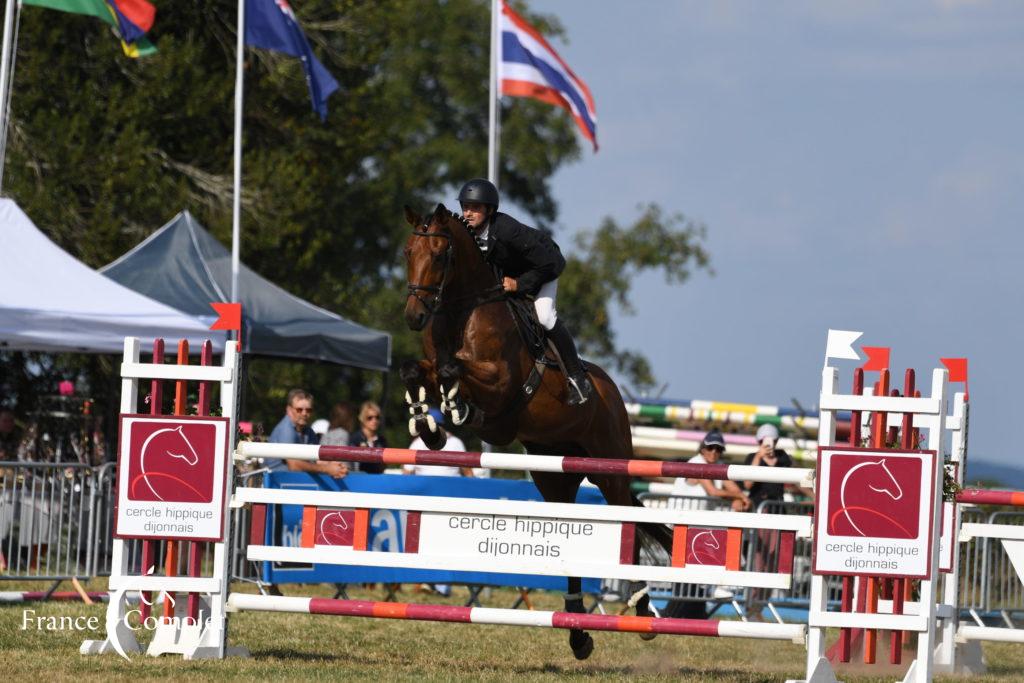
(419, 387)
(616, 491)
(561, 488)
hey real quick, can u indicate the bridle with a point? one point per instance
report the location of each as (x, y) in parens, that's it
(432, 303)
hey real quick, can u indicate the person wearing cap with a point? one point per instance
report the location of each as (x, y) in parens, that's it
(453, 443)
(766, 455)
(529, 262)
(711, 449)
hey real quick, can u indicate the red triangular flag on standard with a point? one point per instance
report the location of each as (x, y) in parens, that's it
(878, 358)
(957, 368)
(230, 316)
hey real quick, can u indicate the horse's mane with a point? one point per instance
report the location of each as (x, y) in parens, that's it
(451, 215)
(452, 220)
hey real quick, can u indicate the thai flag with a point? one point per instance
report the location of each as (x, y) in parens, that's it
(529, 67)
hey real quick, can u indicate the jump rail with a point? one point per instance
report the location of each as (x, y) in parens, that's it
(534, 463)
(512, 617)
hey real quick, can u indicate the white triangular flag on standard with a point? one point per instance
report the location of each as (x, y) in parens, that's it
(840, 345)
(1015, 551)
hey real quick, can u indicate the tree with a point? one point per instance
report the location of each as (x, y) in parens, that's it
(602, 273)
(104, 149)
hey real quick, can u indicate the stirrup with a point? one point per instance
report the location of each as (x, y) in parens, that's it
(580, 389)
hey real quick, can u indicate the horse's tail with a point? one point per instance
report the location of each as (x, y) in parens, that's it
(653, 536)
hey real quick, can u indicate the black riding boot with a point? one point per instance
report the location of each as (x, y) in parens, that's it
(580, 387)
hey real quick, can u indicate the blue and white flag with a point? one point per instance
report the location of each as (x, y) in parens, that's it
(271, 25)
(529, 67)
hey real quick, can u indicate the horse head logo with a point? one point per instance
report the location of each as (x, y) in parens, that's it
(859, 483)
(164, 455)
(705, 547)
(334, 529)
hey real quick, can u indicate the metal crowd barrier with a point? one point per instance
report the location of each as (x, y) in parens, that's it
(46, 516)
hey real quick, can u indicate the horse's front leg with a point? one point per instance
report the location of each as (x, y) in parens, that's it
(469, 389)
(419, 386)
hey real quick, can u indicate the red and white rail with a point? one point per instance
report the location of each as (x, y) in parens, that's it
(532, 463)
(510, 617)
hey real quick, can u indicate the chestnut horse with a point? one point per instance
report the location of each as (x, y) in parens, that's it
(477, 364)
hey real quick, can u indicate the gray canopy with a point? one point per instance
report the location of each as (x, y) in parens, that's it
(183, 266)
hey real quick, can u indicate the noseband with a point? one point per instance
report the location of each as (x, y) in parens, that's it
(432, 303)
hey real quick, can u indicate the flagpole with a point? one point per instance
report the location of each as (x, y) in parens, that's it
(236, 206)
(494, 112)
(5, 85)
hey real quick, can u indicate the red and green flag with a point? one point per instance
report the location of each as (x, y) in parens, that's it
(131, 19)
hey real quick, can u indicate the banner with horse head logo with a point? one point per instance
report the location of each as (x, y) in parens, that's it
(875, 512)
(171, 481)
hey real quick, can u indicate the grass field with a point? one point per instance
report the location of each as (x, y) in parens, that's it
(307, 647)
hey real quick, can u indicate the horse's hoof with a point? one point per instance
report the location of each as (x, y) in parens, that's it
(643, 610)
(581, 643)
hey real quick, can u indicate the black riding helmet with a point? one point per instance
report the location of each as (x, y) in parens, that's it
(480, 191)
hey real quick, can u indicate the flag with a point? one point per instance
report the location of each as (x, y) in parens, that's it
(132, 19)
(271, 25)
(529, 67)
(230, 316)
(878, 358)
(840, 345)
(957, 372)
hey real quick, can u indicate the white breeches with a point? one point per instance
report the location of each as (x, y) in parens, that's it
(545, 304)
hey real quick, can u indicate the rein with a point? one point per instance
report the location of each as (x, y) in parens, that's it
(433, 303)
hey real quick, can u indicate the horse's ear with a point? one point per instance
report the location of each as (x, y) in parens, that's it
(441, 211)
(413, 218)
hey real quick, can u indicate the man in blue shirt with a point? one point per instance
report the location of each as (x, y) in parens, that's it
(294, 429)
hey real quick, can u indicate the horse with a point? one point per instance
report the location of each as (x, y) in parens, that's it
(478, 365)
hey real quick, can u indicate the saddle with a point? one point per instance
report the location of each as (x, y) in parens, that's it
(531, 331)
(540, 348)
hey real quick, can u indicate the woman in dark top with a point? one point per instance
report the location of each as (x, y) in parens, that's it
(368, 435)
(766, 456)
(766, 557)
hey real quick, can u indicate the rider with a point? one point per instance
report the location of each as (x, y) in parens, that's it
(530, 263)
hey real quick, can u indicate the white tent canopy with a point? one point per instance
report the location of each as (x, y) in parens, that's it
(50, 301)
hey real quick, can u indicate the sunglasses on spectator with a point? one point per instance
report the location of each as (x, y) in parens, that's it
(373, 417)
(302, 410)
(716, 449)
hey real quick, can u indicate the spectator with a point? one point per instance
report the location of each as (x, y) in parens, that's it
(765, 557)
(454, 443)
(343, 420)
(294, 429)
(766, 456)
(711, 449)
(10, 436)
(368, 435)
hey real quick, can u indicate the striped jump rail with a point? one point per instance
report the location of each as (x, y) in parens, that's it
(713, 628)
(41, 596)
(533, 463)
(991, 497)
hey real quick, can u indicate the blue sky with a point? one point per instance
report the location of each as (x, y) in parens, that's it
(859, 165)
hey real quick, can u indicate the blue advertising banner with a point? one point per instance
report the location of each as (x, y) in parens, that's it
(387, 528)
